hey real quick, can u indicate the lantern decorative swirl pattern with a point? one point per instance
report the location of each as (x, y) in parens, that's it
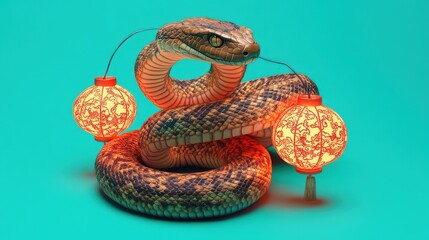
(105, 109)
(309, 135)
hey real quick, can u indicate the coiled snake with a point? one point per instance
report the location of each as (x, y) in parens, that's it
(212, 122)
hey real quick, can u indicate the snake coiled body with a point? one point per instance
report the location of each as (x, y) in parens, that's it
(213, 121)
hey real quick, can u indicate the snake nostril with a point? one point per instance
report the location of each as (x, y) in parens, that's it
(245, 53)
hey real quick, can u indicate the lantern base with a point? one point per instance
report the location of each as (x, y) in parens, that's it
(308, 171)
(310, 188)
(103, 139)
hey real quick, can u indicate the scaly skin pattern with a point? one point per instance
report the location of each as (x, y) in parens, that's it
(213, 121)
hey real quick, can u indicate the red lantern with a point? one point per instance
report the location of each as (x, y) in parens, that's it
(104, 109)
(308, 136)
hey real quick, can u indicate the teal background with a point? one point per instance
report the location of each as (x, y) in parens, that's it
(369, 59)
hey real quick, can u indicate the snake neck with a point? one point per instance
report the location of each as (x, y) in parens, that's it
(152, 71)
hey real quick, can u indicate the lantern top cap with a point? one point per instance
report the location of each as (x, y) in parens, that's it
(313, 100)
(105, 81)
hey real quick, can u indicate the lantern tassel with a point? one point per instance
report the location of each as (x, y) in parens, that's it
(310, 188)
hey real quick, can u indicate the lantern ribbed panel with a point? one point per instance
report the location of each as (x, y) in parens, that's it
(309, 137)
(104, 111)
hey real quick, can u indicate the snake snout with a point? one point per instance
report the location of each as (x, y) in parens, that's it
(251, 51)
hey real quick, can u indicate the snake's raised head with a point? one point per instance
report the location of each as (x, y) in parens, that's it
(209, 40)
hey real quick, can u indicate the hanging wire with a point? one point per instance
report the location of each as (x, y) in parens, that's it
(287, 65)
(152, 29)
(120, 44)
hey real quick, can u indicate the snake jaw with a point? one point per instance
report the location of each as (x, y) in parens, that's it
(251, 50)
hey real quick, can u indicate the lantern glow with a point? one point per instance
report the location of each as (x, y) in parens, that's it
(308, 136)
(104, 109)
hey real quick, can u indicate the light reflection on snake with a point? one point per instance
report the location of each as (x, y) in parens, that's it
(212, 122)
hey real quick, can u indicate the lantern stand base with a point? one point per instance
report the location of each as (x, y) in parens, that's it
(310, 188)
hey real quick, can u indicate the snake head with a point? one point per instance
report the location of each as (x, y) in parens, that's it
(209, 40)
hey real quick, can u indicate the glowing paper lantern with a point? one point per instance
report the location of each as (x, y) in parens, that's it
(104, 109)
(308, 136)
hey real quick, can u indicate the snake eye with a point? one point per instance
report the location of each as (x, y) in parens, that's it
(215, 41)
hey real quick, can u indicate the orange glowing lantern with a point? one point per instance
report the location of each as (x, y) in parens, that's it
(308, 136)
(104, 109)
